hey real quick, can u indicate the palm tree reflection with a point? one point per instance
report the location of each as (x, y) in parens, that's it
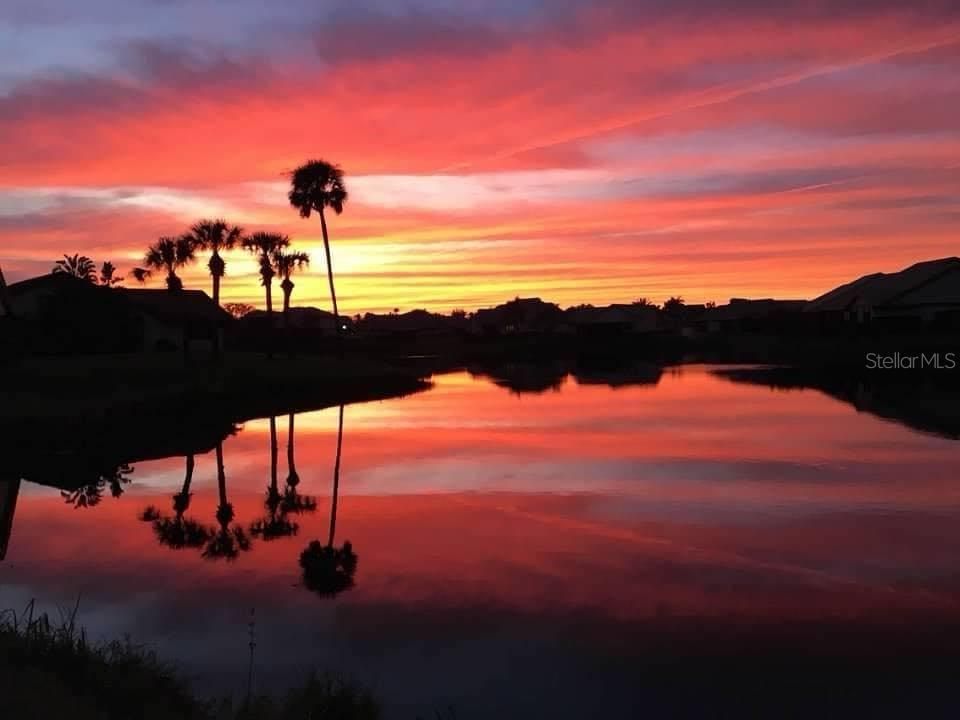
(91, 493)
(179, 532)
(229, 541)
(275, 524)
(328, 570)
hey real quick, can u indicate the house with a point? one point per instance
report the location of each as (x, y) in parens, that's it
(299, 318)
(173, 320)
(741, 314)
(520, 315)
(415, 323)
(613, 319)
(59, 313)
(922, 295)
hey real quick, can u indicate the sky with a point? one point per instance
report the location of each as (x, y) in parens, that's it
(580, 152)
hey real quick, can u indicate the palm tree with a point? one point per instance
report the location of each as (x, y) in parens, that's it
(275, 524)
(329, 570)
(215, 235)
(315, 186)
(227, 542)
(79, 266)
(285, 264)
(293, 478)
(169, 254)
(108, 275)
(179, 532)
(264, 246)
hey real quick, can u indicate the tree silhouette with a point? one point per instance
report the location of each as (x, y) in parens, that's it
(227, 542)
(78, 266)
(275, 524)
(215, 236)
(328, 570)
(237, 309)
(264, 246)
(108, 275)
(673, 305)
(179, 532)
(168, 254)
(285, 264)
(90, 494)
(315, 186)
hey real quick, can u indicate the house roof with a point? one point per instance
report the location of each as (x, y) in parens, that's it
(880, 289)
(51, 280)
(181, 307)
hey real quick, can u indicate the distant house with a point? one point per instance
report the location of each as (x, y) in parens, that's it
(521, 315)
(300, 318)
(741, 314)
(922, 295)
(61, 313)
(612, 319)
(414, 323)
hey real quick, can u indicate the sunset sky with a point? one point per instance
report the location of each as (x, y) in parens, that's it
(582, 152)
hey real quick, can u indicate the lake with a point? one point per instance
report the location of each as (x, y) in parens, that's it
(521, 546)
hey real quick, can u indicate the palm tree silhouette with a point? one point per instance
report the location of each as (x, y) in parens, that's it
(108, 275)
(294, 502)
(78, 266)
(285, 264)
(275, 524)
(90, 494)
(179, 532)
(328, 570)
(168, 254)
(264, 246)
(293, 478)
(314, 186)
(227, 542)
(215, 235)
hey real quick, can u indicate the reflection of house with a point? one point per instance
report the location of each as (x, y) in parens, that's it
(9, 489)
(520, 315)
(61, 313)
(924, 294)
(743, 314)
(612, 319)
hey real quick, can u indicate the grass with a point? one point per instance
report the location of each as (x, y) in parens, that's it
(49, 669)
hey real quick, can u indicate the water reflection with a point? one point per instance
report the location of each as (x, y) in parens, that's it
(327, 569)
(915, 400)
(567, 532)
(549, 375)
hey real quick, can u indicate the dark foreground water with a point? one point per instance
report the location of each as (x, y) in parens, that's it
(515, 551)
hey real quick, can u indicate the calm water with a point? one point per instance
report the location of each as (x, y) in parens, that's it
(509, 544)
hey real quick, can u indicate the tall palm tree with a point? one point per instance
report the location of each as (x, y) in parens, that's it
(315, 186)
(179, 532)
(169, 254)
(285, 264)
(264, 246)
(79, 266)
(227, 542)
(275, 524)
(215, 235)
(329, 570)
(293, 478)
(108, 275)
